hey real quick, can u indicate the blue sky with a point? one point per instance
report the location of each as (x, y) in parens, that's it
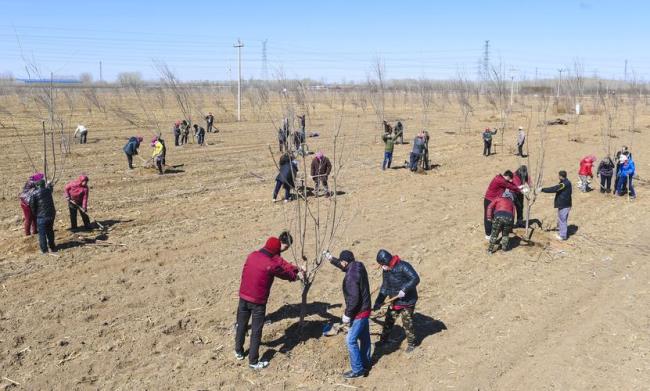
(331, 40)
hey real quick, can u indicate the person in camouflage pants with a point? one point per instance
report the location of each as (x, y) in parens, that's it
(501, 212)
(399, 286)
(503, 225)
(407, 322)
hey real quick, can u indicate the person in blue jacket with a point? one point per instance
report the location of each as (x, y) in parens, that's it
(131, 148)
(625, 175)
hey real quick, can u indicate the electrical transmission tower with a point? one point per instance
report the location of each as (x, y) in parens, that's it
(486, 60)
(265, 64)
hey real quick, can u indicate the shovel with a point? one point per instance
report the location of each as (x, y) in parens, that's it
(94, 220)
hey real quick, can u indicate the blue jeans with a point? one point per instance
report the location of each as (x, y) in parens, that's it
(388, 159)
(415, 158)
(622, 183)
(358, 341)
(45, 233)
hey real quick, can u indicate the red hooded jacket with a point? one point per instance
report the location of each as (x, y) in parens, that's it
(500, 204)
(498, 185)
(585, 167)
(259, 271)
(78, 192)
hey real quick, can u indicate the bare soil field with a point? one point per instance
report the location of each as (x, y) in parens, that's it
(151, 304)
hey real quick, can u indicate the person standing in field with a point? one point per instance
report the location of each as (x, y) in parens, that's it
(389, 141)
(487, 141)
(520, 179)
(42, 207)
(25, 196)
(585, 172)
(131, 149)
(259, 271)
(185, 132)
(356, 294)
(209, 121)
(417, 152)
(521, 140)
(282, 141)
(76, 193)
(625, 176)
(82, 133)
(321, 167)
(605, 172)
(200, 134)
(158, 155)
(562, 203)
(499, 184)
(177, 132)
(399, 133)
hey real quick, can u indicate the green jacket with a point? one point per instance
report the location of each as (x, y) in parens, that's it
(390, 142)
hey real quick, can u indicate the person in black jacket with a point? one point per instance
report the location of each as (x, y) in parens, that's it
(286, 177)
(562, 203)
(605, 172)
(200, 134)
(356, 292)
(42, 206)
(399, 283)
(209, 121)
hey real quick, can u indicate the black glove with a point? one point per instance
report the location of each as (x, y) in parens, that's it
(379, 301)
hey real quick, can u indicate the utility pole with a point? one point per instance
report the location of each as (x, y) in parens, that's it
(512, 85)
(239, 45)
(559, 81)
(101, 75)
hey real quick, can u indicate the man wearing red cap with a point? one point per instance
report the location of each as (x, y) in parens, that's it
(260, 269)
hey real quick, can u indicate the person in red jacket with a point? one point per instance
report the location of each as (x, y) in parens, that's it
(585, 173)
(501, 212)
(76, 193)
(499, 184)
(260, 269)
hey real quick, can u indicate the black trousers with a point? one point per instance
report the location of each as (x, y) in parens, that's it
(73, 217)
(245, 311)
(519, 206)
(487, 224)
(487, 145)
(605, 183)
(129, 158)
(184, 139)
(520, 150)
(82, 138)
(209, 127)
(176, 137)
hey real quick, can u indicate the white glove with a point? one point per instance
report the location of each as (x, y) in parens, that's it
(345, 319)
(327, 255)
(525, 190)
(401, 294)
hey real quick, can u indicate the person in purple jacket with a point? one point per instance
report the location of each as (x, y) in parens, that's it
(356, 292)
